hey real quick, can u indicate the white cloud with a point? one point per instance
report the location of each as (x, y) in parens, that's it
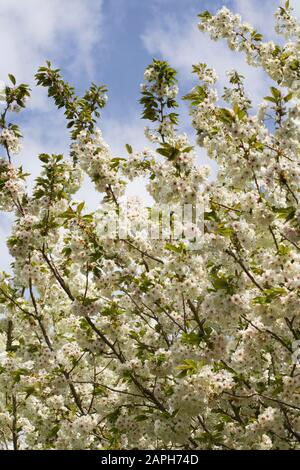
(33, 30)
(62, 31)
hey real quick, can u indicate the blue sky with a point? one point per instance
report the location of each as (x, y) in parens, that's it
(111, 42)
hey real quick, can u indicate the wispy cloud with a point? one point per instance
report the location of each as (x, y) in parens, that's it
(32, 31)
(63, 31)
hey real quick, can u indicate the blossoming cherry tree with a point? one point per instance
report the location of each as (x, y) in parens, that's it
(133, 342)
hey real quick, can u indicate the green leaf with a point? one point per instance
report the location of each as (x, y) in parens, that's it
(67, 251)
(171, 153)
(191, 338)
(68, 214)
(295, 64)
(99, 391)
(256, 36)
(12, 78)
(170, 247)
(173, 118)
(283, 250)
(236, 108)
(163, 152)
(225, 115)
(288, 97)
(128, 148)
(211, 216)
(259, 146)
(270, 98)
(197, 95)
(241, 113)
(221, 283)
(205, 15)
(115, 162)
(53, 432)
(44, 157)
(187, 149)
(224, 231)
(141, 418)
(29, 391)
(80, 207)
(287, 213)
(269, 295)
(276, 93)
(189, 367)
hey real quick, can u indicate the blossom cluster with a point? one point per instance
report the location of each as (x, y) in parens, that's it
(96, 160)
(9, 139)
